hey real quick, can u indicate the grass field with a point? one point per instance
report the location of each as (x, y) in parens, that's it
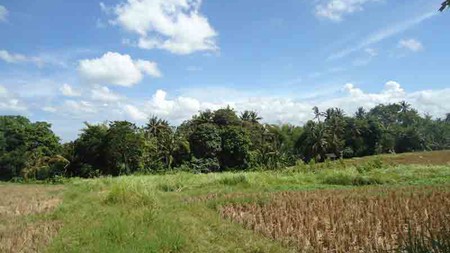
(360, 206)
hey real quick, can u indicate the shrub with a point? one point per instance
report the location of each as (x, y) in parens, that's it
(205, 165)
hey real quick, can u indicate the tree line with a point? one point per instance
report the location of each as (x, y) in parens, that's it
(214, 141)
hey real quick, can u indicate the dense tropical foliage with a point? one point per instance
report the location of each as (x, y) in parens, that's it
(214, 141)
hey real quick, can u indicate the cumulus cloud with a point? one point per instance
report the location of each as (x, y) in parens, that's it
(9, 103)
(134, 113)
(116, 69)
(173, 25)
(335, 10)
(79, 107)
(3, 13)
(176, 109)
(18, 58)
(411, 44)
(104, 94)
(68, 91)
(290, 110)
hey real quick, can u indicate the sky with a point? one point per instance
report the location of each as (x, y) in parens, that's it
(69, 62)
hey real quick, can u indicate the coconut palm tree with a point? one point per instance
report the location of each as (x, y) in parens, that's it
(317, 113)
(204, 117)
(250, 116)
(404, 106)
(155, 126)
(319, 140)
(360, 113)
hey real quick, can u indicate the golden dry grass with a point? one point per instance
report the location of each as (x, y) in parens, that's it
(441, 157)
(358, 220)
(18, 232)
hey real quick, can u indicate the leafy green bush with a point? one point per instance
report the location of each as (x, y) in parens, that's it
(205, 165)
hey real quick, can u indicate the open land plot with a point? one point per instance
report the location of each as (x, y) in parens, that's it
(24, 226)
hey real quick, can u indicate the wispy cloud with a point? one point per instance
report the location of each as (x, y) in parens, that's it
(334, 10)
(411, 44)
(3, 13)
(18, 58)
(383, 34)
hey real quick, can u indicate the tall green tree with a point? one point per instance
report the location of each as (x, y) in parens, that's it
(88, 158)
(123, 148)
(26, 148)
(235, 149)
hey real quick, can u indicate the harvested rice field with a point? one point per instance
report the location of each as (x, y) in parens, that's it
(357, 220)
(24, 226)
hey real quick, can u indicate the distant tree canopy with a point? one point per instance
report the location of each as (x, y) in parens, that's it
(445, 4)
(213, 141)
(29, 150)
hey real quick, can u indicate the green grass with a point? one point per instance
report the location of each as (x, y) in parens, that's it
(177, 212)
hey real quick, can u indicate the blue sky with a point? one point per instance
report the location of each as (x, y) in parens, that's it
(72, 61)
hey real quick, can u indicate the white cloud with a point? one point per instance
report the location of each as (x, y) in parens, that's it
(3, 13)
(173, 25)
(18, 58)
(411, 44)
(9, 103)
(180, 107)
(49, 109)
(79, 107)
(116, 69)
(290, 110)
(336, 9)
(382, 35)
(68, 91)
(134, 113)
(104, 94)
(150, 68)
(3, 91)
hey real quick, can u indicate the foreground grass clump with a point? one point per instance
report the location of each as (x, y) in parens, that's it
(131, 193)
(234, 180)
(361, 220)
